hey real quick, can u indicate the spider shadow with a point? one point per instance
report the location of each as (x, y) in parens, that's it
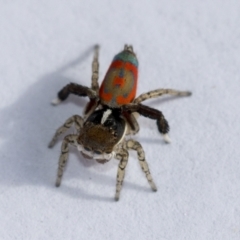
(27, 126)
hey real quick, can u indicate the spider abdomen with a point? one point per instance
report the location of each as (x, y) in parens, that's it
(120, 83)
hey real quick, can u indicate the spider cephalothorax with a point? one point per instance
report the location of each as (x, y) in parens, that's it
(110, 116)
(101, 132)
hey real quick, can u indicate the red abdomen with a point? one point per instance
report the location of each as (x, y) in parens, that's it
(120, 83)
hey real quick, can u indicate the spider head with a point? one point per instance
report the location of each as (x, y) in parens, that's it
(101, 132)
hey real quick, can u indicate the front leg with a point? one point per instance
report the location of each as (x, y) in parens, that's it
(77, 120)
(121, 155)
(69, 139)
(134, 145)
(151, 113)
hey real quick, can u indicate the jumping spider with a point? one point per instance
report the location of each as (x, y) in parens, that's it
(110, 116)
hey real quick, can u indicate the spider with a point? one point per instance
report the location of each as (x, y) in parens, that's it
(110, 116)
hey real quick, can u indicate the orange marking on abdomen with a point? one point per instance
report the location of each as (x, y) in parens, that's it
(116, 64)
(118, 82)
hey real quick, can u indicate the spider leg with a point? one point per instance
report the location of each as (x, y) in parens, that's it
(76, 89)
(160, 92)
(93, 103)
(95, 69)
(69, 139)
(151, 113)
(121, 155)
(80, 90)
(77, 120)
(90, 107)
(132, 123)
(134, 145)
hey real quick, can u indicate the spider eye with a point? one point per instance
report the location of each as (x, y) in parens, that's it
(97, 152)
(87, 148)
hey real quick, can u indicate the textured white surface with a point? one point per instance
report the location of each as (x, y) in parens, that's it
(186, 45)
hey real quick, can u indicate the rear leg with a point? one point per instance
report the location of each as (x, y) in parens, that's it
(93, 103)
(160, 92)
(95, 69)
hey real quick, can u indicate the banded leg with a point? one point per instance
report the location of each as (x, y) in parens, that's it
(95, 69)
(77, 120)
(134, 145)
(160, 92)
(93, 103)
(151, 113)
(69, 139)
(122, 155)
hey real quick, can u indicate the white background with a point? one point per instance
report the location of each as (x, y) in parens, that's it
(185, 45)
